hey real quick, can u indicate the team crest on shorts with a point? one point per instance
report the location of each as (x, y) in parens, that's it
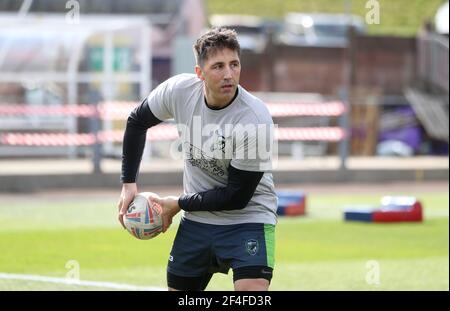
(252, 247)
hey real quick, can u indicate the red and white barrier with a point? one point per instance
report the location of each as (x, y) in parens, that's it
(163, 132)
(121, 110)
(46, 139)
(330, 134)
(67, 110)
(328, 109)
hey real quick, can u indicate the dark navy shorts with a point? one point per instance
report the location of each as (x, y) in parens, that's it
(200, 249)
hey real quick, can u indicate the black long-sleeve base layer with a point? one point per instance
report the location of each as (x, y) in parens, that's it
(139, 121)
(236, 194)
(239, 190)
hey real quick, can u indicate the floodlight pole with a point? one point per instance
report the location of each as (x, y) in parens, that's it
(345, 96)
(108, 82)
(146, 65)
(95, 127)
(145, 77)
(72, 91)
(345, 126)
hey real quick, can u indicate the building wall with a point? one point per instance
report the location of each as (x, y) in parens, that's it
(384, 62)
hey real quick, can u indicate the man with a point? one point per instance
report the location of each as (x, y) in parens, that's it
(229, 200)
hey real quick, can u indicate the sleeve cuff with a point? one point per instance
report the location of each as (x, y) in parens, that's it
(182, 201)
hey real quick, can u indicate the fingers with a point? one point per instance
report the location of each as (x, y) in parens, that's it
(164, 224)
(122, 211)
(167, 221)
(121, 214)
(119, 205)
(156, 200)
(129, 190)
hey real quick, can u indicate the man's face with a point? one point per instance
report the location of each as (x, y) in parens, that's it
(221, 72)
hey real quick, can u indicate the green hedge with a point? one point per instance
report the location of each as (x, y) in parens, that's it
(397, 17)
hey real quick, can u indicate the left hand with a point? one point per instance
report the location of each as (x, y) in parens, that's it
(170, 208)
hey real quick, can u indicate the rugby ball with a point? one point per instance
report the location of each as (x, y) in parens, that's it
(143, 217)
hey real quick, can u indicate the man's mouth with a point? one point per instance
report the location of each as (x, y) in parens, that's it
(227, 86)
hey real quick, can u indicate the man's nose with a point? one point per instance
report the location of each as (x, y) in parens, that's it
(228, 74)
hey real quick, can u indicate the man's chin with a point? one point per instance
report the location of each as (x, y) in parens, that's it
(228, 90)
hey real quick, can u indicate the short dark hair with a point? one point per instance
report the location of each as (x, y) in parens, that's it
(215, 39)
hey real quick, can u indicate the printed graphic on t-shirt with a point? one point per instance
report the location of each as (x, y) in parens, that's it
(196, 157)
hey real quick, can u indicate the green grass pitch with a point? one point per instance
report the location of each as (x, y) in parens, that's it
(315, 252)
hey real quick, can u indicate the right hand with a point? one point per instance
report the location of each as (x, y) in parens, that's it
(170, 208)
(126, 197)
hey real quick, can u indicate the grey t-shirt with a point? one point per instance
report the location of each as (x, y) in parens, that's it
(240, 134)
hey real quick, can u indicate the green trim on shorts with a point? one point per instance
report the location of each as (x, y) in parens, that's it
(269, 236)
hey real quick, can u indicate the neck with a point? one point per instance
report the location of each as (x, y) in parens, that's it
(216, 104)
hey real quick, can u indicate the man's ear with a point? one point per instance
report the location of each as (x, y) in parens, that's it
(199, 72)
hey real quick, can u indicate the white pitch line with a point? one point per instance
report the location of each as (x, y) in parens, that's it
(67, 281)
